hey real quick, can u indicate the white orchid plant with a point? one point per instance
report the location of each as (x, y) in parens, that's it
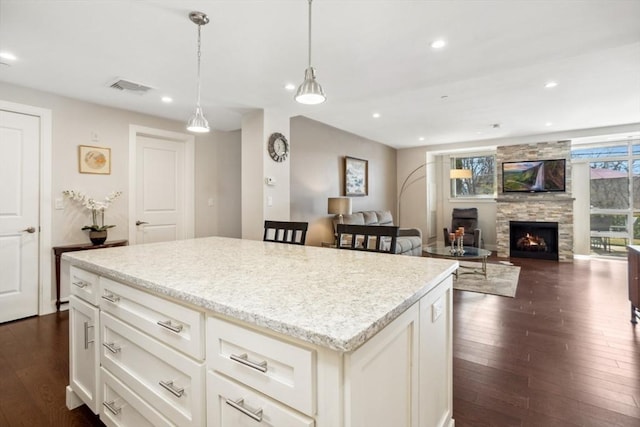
(97, 208)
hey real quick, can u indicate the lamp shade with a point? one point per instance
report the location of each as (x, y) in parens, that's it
(310, 92)
(339, 206)
(460, 173)
(198, 123)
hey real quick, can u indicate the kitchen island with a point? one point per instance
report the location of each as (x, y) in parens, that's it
(239, 329)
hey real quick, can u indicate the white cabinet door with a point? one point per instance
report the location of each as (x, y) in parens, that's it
(382, 376)
(84, 351)
(436, 389)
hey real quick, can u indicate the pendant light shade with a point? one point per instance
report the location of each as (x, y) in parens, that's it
(310, 92)
(198, 123)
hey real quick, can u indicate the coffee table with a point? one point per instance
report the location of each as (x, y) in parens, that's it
(470, 253)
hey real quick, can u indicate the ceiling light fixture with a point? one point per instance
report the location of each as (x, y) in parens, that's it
(167, 99)
(197, 122)
(310, 92)
(438, 44)
(550, 85)
(376, 115)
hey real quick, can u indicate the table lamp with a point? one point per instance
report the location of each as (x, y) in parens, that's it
(339, 206)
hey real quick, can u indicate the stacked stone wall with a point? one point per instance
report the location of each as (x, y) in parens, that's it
(547, 207)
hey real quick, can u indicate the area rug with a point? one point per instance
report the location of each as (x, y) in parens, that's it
(501, 279)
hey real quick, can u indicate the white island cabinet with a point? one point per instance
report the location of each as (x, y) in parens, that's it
(226, 332)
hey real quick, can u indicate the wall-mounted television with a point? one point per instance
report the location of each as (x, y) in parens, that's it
(534, 176)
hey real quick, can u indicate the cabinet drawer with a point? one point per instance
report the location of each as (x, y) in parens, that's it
(180, 327)
(278, 369)
(122, 407)
(170, 381)
(231, 404)
(84, 284)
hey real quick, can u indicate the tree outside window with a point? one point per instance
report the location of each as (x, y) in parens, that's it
(482, 181)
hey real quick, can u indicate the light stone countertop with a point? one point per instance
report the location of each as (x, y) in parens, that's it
(329, 297)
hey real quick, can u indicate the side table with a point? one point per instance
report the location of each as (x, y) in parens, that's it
(59, 250)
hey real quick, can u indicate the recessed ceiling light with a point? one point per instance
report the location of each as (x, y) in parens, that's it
(376, 115)
(8, 56)
(438, 44)
(421, 138)
(167, 99)
(549, 85)
(290, 87)
(548, 124)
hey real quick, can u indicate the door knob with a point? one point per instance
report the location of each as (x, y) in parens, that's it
(141, 222)
(29, 230)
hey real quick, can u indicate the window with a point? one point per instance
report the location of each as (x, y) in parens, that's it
(483, 176)
(614, 194)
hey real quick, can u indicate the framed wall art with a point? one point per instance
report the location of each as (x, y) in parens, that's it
(356, 177)
(95, 160)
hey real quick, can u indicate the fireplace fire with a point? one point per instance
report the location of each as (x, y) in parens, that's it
(533, 240)
(531, 243)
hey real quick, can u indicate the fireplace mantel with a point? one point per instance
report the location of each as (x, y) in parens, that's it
(534, 199)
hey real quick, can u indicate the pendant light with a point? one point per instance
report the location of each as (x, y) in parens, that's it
(197, 122)
(310, 91)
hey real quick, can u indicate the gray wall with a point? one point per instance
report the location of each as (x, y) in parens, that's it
(317, 173)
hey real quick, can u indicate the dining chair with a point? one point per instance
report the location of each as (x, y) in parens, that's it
(291, 232)
(370, 238)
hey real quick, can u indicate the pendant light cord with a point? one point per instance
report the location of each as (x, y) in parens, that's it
(310, 33)
(198, 103)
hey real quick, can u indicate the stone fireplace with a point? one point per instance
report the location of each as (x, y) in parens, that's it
(535, 207)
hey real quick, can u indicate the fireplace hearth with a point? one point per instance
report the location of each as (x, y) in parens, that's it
(535, 239)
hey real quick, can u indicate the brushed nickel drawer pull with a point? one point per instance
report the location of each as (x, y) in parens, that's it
(168, 385)
(111, 298)
(244, 359)
(80, 284)
(86, 335)
(239, 405)
(111, 406)
(112, 347)
(173, 328)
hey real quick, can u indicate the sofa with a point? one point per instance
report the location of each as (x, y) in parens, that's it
(409, 240)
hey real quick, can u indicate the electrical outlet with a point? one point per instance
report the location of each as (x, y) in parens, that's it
(59, 204)
(269, 201)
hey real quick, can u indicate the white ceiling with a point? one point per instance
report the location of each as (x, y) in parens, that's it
(370, 56)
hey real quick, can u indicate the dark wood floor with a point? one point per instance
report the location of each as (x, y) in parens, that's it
(561, 353)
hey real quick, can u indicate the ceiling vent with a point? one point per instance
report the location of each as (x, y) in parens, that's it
(128, 85)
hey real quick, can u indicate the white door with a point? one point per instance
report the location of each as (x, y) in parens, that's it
(19, 215)
(160, 190)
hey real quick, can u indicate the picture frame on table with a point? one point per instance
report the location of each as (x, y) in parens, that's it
(94, 160)
(356, 177)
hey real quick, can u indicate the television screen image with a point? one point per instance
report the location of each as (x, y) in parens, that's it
(533, 176)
